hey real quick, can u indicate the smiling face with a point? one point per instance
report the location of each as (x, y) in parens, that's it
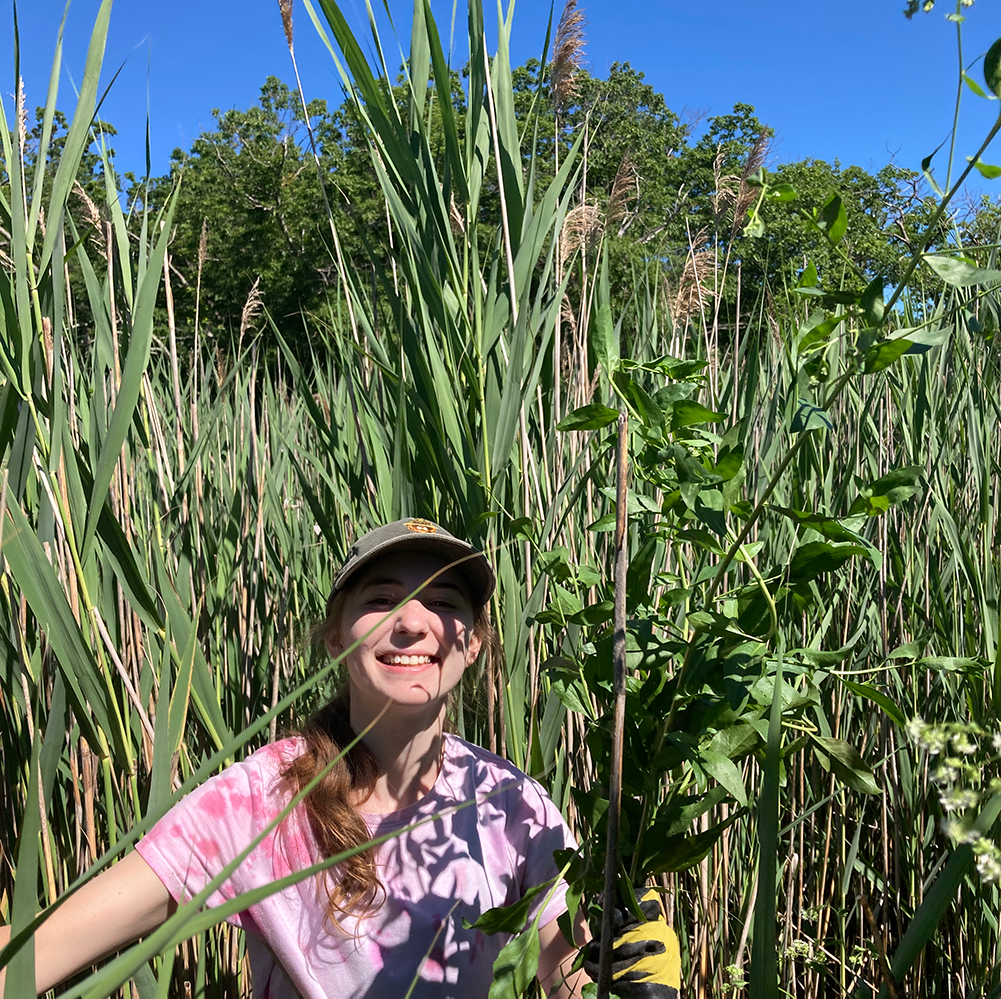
(410, 655)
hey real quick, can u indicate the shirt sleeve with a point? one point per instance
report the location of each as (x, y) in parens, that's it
(211, 827)
(538, 831)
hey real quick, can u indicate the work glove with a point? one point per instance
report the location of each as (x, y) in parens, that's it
(646, 958)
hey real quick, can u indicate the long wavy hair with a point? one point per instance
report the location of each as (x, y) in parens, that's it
(330, 807)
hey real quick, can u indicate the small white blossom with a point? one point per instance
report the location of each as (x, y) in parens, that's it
(954, 829)
(989, 867)
(958, 799)
(945, 774)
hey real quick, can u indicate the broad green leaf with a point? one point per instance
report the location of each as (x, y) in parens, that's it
(872, 301)
(877, 697)
(835, 219)
(755, 227)
(516, 965)
(846, 764)
(734, 741)
(679, 853)
(961, 273)
(884, 354)
(688, 413)
(816, 331)
(976, 88)
(574, 694)
(809, 417)
(817, 557)
(953, 664)
(782, 192)
(986, 169)
(888, 490)
(508, 918)
(593, 416)
(725, 771)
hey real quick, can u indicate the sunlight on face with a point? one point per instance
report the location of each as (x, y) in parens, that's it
(410, 652)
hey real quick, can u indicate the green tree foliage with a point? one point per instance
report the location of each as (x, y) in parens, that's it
(250, 187)
(251, 208)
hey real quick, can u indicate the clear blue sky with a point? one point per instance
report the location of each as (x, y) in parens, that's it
(851, 79)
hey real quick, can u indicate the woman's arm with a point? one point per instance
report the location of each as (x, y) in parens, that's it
(556, 957)
(120, 905)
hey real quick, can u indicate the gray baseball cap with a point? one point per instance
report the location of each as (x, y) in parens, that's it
(415, 534)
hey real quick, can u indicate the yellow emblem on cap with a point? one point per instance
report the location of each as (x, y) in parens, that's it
(419, 526)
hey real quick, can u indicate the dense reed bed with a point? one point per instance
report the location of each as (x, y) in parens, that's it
(171, 515)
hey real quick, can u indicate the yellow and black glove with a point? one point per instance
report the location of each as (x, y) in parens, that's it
(646, 958)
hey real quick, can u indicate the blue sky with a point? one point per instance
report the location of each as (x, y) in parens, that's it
(853, 79)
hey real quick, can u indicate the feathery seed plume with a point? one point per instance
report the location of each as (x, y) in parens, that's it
(568, 49)
(285, 6)
(251, 308)
(625, 186)
(455, 219)
(582, 228)
(746, 194)
(203, 245)
(696, 284)
(22, 116)
(90, 209)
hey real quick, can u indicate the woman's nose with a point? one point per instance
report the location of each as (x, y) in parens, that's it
(412, 618)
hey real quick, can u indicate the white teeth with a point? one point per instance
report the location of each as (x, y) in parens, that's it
(397, 660)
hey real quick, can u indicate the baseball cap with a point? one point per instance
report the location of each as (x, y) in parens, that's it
(416, 534)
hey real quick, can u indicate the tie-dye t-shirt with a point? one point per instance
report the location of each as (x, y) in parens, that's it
(450, 867)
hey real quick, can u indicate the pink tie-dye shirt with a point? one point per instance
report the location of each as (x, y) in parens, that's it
(437, 873)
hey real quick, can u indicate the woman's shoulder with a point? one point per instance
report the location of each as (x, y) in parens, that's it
(512, 810)
(277, 755)
(479, 770)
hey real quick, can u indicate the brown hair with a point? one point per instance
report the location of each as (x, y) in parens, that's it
(330, 805)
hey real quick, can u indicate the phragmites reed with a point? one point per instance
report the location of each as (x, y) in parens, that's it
(285, 6)
(625, 187)
(582, 228)
(203, 245)
(252, 307)
(568, 49)
(696, 284)
(725, 187)
(90, 210)
(22, 117)
(746, 194)
(455, 219)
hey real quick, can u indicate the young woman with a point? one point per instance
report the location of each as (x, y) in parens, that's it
(465, 831)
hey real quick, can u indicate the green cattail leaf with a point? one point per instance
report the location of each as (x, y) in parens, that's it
(78, 136)
(140, 341)
(44, 594)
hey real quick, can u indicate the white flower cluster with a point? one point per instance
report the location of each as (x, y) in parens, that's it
(929, 5)
(964, 757)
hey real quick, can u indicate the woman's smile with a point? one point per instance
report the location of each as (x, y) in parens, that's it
(407, 629)
(409, 661)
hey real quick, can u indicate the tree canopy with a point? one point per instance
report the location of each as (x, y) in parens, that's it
(255, 206)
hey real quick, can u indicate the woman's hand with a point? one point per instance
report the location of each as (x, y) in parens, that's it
(120, 905)
(646, 958)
